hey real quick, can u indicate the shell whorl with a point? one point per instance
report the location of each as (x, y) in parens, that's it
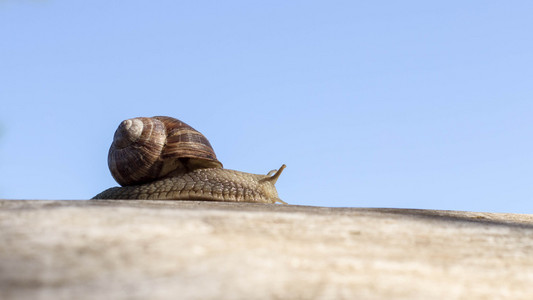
(147, 149)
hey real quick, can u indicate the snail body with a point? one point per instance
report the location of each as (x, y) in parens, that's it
(163, 158)
(204, 184)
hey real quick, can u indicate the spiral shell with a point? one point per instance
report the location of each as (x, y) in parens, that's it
(148, 149)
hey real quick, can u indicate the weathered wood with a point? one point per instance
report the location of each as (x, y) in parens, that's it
(210, 250)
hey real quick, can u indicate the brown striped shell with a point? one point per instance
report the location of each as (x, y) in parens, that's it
(147, 149)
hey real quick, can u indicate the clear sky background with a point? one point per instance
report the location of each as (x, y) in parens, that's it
(415, 104)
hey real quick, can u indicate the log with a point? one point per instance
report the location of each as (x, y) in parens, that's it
(115, 249)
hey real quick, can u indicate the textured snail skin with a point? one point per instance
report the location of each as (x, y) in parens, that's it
(204, 184)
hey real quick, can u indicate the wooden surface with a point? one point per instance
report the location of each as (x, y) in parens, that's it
(209, 250)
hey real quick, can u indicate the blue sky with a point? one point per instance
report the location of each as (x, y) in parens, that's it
(416, 104)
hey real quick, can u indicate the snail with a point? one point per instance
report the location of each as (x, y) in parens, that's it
(165, 159)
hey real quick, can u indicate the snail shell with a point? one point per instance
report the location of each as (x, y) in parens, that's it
(148, 149)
